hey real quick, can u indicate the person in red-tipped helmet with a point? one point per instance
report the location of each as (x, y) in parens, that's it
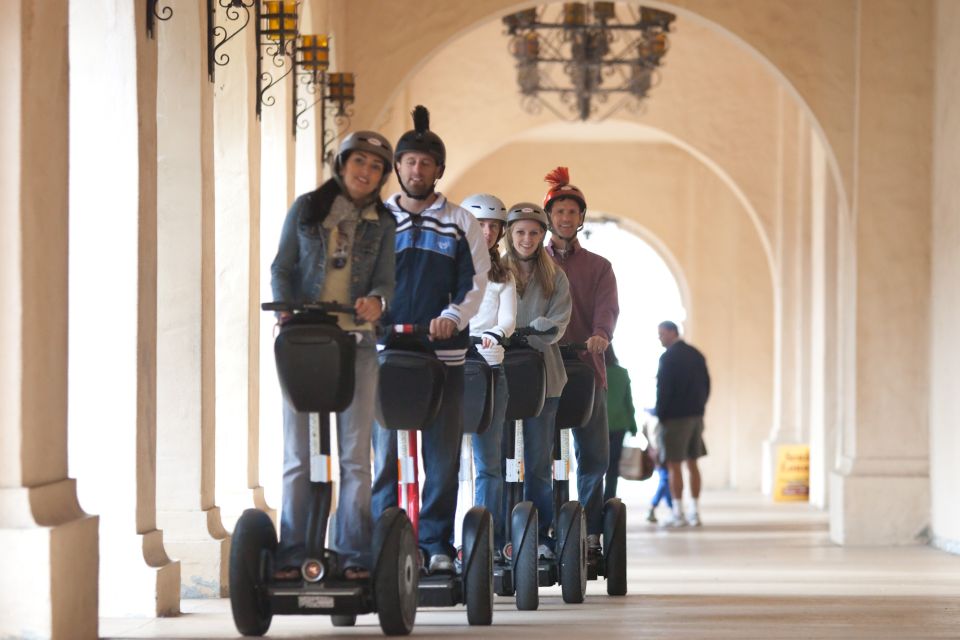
(593, 288)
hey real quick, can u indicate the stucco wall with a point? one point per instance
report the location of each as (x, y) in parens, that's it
(701, 223)
(945, 352)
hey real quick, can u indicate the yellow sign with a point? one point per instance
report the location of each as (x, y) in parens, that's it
(791, 483)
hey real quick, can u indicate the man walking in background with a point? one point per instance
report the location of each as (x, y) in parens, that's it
(683, 386)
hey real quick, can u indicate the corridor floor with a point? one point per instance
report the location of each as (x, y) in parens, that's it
(754, 570)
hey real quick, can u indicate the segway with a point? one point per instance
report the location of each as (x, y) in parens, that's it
(575, 411)
(568, 568)
(315, 365)
(411, 391)
(478, 398)
(517, 574)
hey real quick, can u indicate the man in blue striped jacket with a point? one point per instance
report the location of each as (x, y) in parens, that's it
(441, 269)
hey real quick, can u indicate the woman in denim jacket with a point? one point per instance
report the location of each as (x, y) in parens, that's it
(543, 303)
(337, 245)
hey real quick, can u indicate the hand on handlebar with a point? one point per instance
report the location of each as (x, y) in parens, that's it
(368, 309)
(442, 328)
(597, 344)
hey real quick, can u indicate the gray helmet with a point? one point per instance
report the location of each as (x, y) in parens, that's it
(484, 206)
(527, 211)
(369, 141)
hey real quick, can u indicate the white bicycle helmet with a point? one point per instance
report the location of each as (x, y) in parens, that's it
(484, 206)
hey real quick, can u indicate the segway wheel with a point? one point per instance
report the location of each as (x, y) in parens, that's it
(252, 551)
(573, 552)
(525, 524)
(478, 566)
(615, 546)
(397, 574)
(344, 620)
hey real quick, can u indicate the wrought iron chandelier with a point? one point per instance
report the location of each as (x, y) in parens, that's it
(574, 61)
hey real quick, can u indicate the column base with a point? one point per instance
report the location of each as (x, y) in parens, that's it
(879, 509)
(137, 578)
(48, 585)
(198, 540)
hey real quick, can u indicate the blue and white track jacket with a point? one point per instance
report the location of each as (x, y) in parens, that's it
(442, 266)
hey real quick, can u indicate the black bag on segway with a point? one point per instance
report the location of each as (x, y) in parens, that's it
(576, 399)
(526, 382)
(410, 389)
(477, 394)
(315, 364)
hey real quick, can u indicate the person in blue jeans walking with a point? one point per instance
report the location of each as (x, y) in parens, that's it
(337, 245)
(663, 475)
(441, 273)
(495, 321)
(543, 302)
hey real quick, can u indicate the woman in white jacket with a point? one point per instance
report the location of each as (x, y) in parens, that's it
(495, 320)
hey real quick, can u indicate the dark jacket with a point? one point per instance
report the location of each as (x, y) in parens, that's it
(299, 269)
(683, 384)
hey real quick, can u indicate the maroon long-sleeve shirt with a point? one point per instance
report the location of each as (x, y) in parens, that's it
(593, 288)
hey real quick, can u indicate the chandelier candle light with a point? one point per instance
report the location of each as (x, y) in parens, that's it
(586, 54)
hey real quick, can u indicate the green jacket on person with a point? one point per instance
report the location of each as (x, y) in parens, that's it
(619, 400)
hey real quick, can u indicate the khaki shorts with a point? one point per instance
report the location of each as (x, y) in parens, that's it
(681, 439)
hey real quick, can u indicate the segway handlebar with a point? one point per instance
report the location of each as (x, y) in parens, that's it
(301, 307)
(409, 329)
(520, 336)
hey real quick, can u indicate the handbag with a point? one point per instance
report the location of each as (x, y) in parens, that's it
(636, 463)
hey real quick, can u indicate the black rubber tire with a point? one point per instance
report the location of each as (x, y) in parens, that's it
(525, 521)
(477, 538)
(252, 548)
(397, 574)
(343, 620)
(615, 546)
(572, 552)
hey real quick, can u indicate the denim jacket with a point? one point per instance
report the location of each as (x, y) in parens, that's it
(298, 271)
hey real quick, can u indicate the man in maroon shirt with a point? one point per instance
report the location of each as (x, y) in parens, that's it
(593, 288)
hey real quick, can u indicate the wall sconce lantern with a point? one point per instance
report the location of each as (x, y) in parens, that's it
(315, 85)
(276, 38)
(155, 13)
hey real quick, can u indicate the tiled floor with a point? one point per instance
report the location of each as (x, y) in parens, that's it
(754, 570)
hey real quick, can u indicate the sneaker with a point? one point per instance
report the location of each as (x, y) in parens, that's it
(676, 522)
(694, 519)
(545, 552)
(441, 563)
(652, 516)
(593, 543)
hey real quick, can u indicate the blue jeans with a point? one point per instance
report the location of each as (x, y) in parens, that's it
(663, 489)
(538, 435)
(613, 469)
(440, 449)
(487, 457)
(352, 525)
(592, 447)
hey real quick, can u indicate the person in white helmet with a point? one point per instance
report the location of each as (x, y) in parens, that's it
(496, 320)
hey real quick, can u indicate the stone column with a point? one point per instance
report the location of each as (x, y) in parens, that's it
(48, 585)
(113, 299)
(278, 159)
(823, 347)
(237, 286)
(880, 494)
(185, 316)
(790, 247)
